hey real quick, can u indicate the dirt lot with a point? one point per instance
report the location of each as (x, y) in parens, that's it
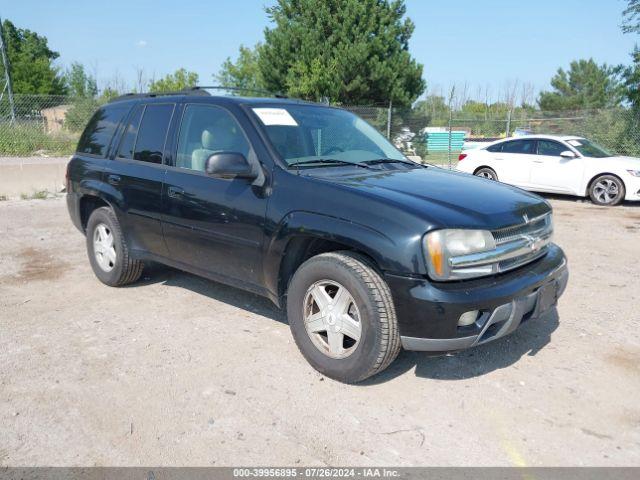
(178, 370)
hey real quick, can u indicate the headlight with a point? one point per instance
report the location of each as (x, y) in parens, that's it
(440, 246)
(635, 173)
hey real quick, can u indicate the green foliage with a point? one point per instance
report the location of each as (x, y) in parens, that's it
(79, 83)
(31, 61)
(631, 17)
(434, 109)
(24, 139)
(586, 85)
(350, 51)
(173, 82)
(244, 72)
(79, 113)
(632, 81)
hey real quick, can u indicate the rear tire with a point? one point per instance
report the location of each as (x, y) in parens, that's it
(108, 252)
(368, 340)
(486, 172)
(607, 190)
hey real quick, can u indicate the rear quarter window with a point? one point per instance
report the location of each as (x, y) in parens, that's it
(99, 131)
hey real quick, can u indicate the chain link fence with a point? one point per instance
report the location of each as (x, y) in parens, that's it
(51, 125)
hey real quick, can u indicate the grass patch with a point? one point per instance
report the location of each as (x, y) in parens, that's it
(25, 139)
(39, 195)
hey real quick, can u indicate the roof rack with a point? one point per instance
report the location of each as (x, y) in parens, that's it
(129, 96)
(197, 90)
(235, 89)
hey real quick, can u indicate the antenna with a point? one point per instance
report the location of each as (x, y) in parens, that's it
(7, 76)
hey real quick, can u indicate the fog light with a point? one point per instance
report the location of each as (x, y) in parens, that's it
(468, 318)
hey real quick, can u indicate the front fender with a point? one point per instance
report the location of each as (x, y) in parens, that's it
(389, 254)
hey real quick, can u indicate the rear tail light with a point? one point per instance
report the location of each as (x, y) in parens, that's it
(462, 156)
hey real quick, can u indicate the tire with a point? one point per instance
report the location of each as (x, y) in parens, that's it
(607, 190)
(486, 172)
(113, 266)
(371, 303)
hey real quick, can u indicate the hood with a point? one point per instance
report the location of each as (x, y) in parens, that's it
(632, 163)
(444, 198)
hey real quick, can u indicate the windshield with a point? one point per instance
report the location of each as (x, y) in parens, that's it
(312, 135)
(589, 149)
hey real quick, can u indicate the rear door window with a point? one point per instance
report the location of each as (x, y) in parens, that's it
(495, 148)
(128, 142)
(520, 146)
(97, 136)
(152, 133)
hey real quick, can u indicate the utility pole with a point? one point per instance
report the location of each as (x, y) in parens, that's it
(7, 75)
(389, 120)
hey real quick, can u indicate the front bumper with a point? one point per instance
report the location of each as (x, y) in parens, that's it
(632, 187)
(428, 312)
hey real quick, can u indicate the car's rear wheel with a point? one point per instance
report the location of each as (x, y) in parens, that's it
(342, 316)
(108, 252)
(486, 172)
(607, 190)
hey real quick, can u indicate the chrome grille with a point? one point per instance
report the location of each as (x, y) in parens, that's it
(537, 231)
(534, 228)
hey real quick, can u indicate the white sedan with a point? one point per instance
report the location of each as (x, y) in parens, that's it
(565, 165)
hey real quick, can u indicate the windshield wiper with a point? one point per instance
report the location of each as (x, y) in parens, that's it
(328, 161)
(378, 161)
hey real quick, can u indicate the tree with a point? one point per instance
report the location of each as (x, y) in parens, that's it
(586, 85)
(632, 81)
(244, 72)
(79, 83)
(173, 82)
(31, 61)
(631, 16)
(350, 51)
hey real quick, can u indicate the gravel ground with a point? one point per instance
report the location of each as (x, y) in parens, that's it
(177, 370)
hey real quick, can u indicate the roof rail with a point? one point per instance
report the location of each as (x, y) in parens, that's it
(129, 96)
(234, 89)
(196, 90)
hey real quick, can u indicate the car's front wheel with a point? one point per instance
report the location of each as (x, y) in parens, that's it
(342, 316)
(607, 190)
(486, 172)
(108, 252)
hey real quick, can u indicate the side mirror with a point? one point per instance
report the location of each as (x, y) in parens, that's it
(568, 154)
(229, 165)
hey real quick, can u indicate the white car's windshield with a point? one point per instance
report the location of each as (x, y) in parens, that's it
(589, 149)
(322, 136)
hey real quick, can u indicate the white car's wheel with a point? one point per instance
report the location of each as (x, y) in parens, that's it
(486, 172)
(607, 190)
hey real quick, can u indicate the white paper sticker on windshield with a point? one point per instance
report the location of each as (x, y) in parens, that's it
(574, 143)
(275, 116)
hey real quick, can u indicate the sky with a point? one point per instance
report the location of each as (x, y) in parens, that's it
(488, 44)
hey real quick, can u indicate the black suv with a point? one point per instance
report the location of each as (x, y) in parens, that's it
(311, 207)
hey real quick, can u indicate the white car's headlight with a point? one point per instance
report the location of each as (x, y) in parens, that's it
(440, 246)
(635, 173)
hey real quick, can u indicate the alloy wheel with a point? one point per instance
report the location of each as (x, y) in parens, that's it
(332, 319)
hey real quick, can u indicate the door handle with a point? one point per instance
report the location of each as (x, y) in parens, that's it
(538, 161)
(175, 192)
(114, 179)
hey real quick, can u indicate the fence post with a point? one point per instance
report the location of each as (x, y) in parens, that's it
(449, 149)
(508, 122)
(389, 121)
(7, 75)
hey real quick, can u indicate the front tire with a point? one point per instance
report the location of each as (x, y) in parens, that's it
(108, 252)
(342, 316)
(607, 190)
